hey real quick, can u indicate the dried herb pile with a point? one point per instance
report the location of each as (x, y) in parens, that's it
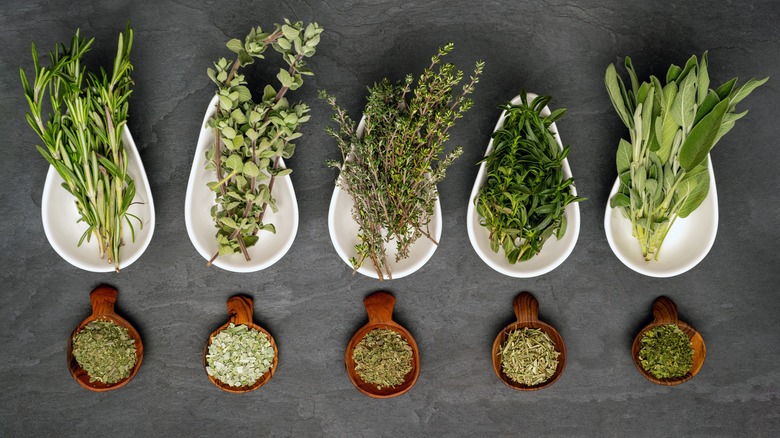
(383, 357)
(252, 137)
(523, 200)
(82, 136)
(239, 355)
(392, 166)
(528, 356)
(105, 351)
(663, 167)
(666, 352)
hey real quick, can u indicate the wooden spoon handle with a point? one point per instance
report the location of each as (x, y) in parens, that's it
(526, 307)
(379, 306)
(103, 299)
(665, 311)
(240, 309)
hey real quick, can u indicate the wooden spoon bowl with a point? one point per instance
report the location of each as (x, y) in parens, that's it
(240, 310)
(103, 299)
(527, 312)
(665, 312)
(379, 307)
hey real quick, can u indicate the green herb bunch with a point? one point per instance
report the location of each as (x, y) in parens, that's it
(392, 165)
(82, 135)
(666, 352)
(105, 351)
(251, 137)
(523, 200)
(663, 169)
(383, 358)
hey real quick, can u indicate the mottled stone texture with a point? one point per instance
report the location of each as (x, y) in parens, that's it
(456, 304)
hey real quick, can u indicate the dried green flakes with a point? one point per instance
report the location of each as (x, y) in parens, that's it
(383, 357)
(666, 352)
(239, 355)
(528, 356)
(105, 351)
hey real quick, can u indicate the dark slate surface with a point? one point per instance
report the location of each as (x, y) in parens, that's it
(456, 304)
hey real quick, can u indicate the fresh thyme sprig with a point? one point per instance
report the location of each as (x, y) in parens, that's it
(524, 198)
(392, 166)
(251, 138)
(83, 136)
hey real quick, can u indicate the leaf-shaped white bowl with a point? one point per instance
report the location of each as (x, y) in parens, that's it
(344, 235)
(554, 251)
(200, 225)
(59, 215)
(688, 242)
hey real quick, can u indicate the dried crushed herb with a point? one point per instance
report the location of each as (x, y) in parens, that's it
(239, 355)
(528, 356)
(105, 351)
(667, 352)
(383, 357)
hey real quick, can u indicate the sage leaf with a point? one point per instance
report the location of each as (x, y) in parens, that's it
(702, 137)
(743, 91)
(699, 190)
(704, 81)
(611, 80)
(624, 156)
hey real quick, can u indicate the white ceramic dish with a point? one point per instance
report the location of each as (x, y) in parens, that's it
(344, 231)
(554, 251)
(688, 242)
(59, 215)
(200, 225)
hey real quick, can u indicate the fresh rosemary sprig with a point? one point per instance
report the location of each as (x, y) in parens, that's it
(83, 136)
(392, 166)
(250, 137)
(523, 200)
(663, 169)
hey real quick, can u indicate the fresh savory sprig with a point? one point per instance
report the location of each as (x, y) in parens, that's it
(392, 166)
(252, 137)
(663, 169)
(524, 198)
(83, 136)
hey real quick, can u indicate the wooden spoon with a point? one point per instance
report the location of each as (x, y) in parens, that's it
(379, 307)
(665, 312)
(527, 311)
(103, 299)
(240, 309)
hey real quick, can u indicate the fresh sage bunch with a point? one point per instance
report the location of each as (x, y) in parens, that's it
(251, 137)
(524, 198)
(663, 167)
(82, 136)
(391, 167)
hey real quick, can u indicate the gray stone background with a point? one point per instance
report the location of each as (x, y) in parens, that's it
(456, 304)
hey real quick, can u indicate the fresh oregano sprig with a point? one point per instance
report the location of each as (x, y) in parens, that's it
(524, 198)
(251, 137)
(83, 136)
(663, 169)
(392, 166)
